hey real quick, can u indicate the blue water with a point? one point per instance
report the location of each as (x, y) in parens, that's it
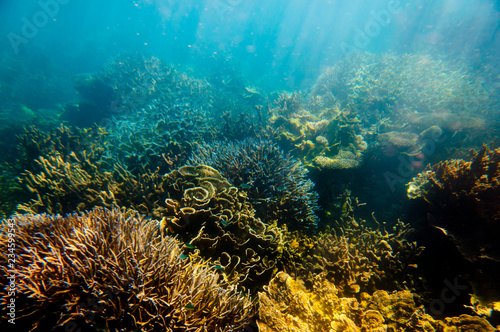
(284, 43)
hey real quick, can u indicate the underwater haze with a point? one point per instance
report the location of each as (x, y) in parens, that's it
(229, 165)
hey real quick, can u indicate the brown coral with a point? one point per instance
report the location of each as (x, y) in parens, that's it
(286, 305)
(463, 202)
(109, 269)
(359, 258)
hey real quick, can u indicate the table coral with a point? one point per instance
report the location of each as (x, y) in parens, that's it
(108, 269)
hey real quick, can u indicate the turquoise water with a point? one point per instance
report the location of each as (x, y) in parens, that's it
(314, 117)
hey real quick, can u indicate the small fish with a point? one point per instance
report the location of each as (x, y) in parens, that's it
(280, 188)
(183, 256)
(189, 306)
(189, 245)
(245, 186)
(218, 267)
(223, 222)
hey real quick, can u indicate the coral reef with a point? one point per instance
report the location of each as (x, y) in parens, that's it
(319, 135)
(160, 114)
(410, 144)
(396, 98)
(138, 80)
(343, 160)
(64, 141)
(463, 201)
(109, 269)
(359, 258)
(286, 305)
(158, 136)
(70, 169)
(214, 217)
(79, 184)
(275, 183)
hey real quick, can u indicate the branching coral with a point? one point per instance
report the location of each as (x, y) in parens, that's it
(107, 269)
(70, 170)
(358, 258)
(286, 305)
(158, 135)
(138, 80)
(64, 141)
(78, 184)
(213, 216)
(471, 187)
(275, 183)
(376, 85)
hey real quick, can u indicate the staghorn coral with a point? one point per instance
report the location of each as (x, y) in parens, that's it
(109, 269)
(62, 187)
(214, 217)
(286, 305)
(159, 135)
(10, 193)
(359, 258)
(275, 183)
(71, 169)
(463, 201)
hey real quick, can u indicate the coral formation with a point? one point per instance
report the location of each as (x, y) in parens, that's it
(394, 98)
(396, 142)
(463, 201)
(317, 134)
(70, 170)
(10, 193)
(376, 85)
(78, 185)
(343, 160)
(358, 258)
(64, 141)
(109, 269)
(214, 217)
(160, 114)
(275, 183)
(138, 80)
(286, 305)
